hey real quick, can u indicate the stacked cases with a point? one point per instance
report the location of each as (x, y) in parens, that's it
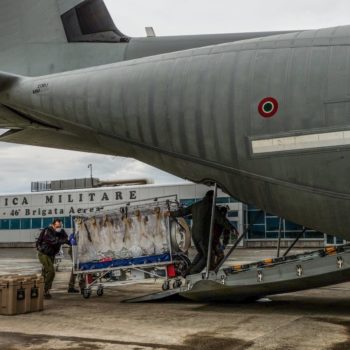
(21, 294)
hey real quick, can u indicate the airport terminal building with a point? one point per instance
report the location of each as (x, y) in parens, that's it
(23, 215)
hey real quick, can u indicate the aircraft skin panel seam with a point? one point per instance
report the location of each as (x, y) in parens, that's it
(301, 142)
(336, 101)
(31, 120)
(164, 58)
(230, 169)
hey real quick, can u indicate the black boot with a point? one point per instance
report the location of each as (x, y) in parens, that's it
(73, 290)
(47, 295)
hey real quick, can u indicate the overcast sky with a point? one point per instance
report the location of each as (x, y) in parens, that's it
(21, 164)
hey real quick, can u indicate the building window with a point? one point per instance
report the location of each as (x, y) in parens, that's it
(314, 235)
(257, 232)
(36, 223)
(232, 214)
(293, 234)
(233, 200)
(290, 226)
(273, 235)
(330, 239)
(15, 224)
(187, 202)
(47, 222)
(234, 223)
(256, 217)
(67, 222)
(4, 224)
(222, 200)
(25, 224)
(273, 224)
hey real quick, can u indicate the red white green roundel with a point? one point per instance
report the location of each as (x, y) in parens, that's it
(268, 107)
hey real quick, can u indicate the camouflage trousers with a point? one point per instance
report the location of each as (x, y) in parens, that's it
(48, 269)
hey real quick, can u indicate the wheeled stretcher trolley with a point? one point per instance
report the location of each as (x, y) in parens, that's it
(129, 243)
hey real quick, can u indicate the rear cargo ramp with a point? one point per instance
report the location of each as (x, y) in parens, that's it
(273, 276)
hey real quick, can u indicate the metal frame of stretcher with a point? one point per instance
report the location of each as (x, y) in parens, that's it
(99, 284)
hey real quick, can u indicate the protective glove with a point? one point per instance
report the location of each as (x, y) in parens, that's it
(72, 240)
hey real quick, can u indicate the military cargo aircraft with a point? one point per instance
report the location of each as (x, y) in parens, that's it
(264, 115)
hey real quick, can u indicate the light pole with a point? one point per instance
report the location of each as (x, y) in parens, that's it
(90, 167)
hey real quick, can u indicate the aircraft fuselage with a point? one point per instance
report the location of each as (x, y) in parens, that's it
(198, 114)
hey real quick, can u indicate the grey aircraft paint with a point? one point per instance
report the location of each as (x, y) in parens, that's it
(254, 281)
(48, 36)
(266, 118)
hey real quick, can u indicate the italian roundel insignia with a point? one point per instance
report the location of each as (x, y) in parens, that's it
(268, 107)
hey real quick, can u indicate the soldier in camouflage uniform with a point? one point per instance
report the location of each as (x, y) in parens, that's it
(48, 245)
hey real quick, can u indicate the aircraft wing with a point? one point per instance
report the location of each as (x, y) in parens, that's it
(52, 138)
(10, 118)
(23, 129)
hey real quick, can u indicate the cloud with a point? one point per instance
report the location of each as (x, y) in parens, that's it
(20, 165)
(206, 16)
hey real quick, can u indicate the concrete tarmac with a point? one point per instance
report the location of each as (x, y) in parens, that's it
(314, 319)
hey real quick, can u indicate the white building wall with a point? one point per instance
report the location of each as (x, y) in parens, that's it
(64, 204)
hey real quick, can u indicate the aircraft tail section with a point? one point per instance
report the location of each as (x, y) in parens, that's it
(37, 36)
(48, 21)
(42, 37)
(90, 21)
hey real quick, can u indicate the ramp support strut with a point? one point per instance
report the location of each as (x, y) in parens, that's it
(211, 233)
(295, 241)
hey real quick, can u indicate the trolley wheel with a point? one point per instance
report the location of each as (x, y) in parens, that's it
(177, 284)
(86, 293)
(99, 292)
(166, 285)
